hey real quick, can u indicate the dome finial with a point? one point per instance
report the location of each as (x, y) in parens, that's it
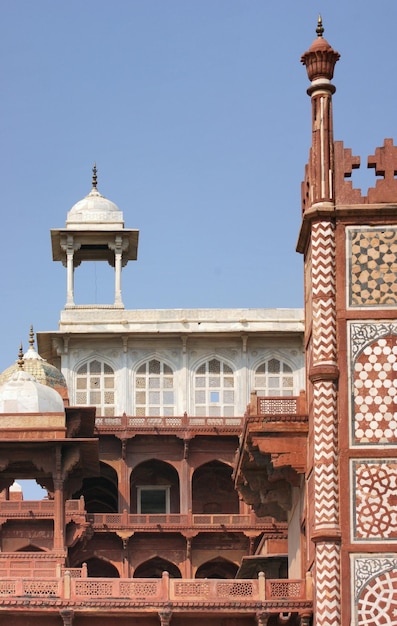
(94, 176)
(31, 337)
(320, 29)
(20, 361)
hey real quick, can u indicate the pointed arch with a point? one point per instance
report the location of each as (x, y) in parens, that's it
(31, 547)
(154, 568)
(217, 568)
(94, 384)
(100, 492)
(100, 568)
(154, 488)
(154, 393)
(274, 376)
(222, 497)
(214, 387)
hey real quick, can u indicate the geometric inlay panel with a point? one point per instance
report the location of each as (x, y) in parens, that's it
(373, 349)
(374, 500)
(375, 590)
(372, 254)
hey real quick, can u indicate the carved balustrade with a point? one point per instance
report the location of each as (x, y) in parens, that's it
(129, 426)
(77, 588)
(176, 522)
(38, 509)
(145, 596)
(44, 509)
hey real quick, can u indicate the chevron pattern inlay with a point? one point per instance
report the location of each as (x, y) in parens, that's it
(323, 290)
(327, 610)
(326, 489)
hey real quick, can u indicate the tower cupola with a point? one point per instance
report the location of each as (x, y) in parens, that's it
(94, 232)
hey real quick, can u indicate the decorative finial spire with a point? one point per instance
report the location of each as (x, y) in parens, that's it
(319, 29)
(320, 59)
(20, 361)
(94, 177)
(31, 337)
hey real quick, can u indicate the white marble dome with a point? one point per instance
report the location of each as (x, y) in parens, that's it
(40, 369)
(94, 212)
(22, 393)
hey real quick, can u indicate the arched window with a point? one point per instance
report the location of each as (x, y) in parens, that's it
(154, 389)
(214, 389)
(274, 378)
(95, 387)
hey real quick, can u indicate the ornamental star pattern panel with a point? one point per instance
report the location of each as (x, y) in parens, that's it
(375, 500)
(375, 595)
(372, 254)
(374, 384)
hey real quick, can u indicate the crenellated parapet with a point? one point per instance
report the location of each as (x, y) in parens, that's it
(383, 161)
(384, 190)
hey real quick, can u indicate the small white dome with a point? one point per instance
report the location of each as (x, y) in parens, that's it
(16, 487)
(95, 212)
(22, 393)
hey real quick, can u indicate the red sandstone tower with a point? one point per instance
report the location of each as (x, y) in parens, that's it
(350, 257)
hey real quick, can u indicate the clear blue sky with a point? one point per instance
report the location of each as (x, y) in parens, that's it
(197, 116)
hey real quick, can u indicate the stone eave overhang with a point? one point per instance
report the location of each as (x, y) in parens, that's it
(121, 607)
(98, 235)
(359, 213)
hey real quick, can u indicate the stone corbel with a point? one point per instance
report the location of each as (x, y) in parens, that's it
(262, 619)
(165, 617)
(119, 246)
(67, 617)
(69, 246)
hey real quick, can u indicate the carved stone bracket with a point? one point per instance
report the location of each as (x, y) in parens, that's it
(262, 618)
(165, 617)
(67, 617)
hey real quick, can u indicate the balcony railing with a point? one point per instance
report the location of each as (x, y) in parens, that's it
(37, 508)
(278, 408)
(44, 509)
(155, 423)
(152, 590)
(177, 521)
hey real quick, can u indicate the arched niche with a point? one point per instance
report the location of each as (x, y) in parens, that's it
(213, 489)
(30, 548)
(217, 568)
(100, 568)
(154, 488)
(100, 492)
(154, 568)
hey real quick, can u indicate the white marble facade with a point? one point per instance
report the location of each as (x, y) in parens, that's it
(206, 360)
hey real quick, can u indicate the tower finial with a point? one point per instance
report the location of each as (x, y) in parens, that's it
(320, 29)
(20, 361)
(31, 337)
(94, 176)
